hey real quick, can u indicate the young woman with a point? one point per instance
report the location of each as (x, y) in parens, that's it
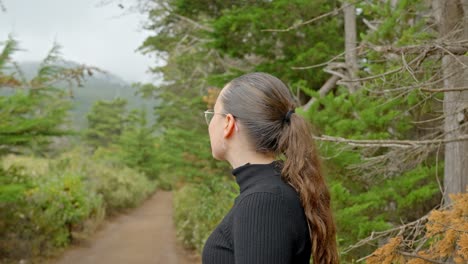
(282, 214)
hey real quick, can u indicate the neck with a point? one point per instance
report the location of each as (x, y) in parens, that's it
(240, 158)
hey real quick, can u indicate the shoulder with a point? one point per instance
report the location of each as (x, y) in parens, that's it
(274, 194)
(278, 211)
(263, 203)
(263, 192)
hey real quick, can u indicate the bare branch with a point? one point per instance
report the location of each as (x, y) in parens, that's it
(408, 68)
(430, 82)
(319, 65)
(196, 24)
(369, 25)
(329, 84)
(441, 90)
(380, 234)
(450, 48)
(333, 12)
(416, 60)
(454, 55)
(390, 143)
(335, 73)
(375, 76)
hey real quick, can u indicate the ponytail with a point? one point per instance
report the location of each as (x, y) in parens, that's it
(302, 170)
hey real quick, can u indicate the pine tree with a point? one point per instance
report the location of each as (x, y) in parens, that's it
(106, 122)
(33, 111)
(137, 144)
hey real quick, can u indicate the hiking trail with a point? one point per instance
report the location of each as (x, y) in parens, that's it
(145, 235)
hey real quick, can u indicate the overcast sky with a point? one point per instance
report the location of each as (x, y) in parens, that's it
(89, 33)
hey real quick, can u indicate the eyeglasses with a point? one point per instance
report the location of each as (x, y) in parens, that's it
(209, 115)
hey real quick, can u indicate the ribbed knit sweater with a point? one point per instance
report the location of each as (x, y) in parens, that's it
(266, 224)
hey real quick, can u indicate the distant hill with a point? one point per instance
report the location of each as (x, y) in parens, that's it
(97, 87)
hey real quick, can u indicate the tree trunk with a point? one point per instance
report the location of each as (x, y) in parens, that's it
(452, 18)
(350, 45)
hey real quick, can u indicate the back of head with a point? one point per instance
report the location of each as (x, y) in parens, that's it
(264, 106)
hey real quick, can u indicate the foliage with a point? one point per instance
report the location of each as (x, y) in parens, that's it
(40, 208)
(31, 116)
(48, 203)
(246, 30)
(123, 136)
(384, 204)
(137, 144)
(199, 208)
(120, 186)
(182, 146)
(106, 122)
(195, 64)
(373, 187)
(370, 197)
(205, 44)
(446, 236)
(9, 47)
(44, 211)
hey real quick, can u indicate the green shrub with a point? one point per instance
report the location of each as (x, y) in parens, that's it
(199, 208)
(59, 203)
(46, 204)
(120, 186)
(44, 212)
(166, 181)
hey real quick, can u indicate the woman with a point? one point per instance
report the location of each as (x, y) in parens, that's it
(282, 214)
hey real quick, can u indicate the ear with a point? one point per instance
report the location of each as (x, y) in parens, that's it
(229, 126)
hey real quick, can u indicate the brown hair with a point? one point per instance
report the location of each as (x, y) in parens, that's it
(261, 102)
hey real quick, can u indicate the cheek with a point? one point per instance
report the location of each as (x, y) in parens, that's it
(217, 150)
(211, 132)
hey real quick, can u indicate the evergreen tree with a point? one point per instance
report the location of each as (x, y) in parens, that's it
(137, 144)
(34, 111)
(106, 122)
(400, 59)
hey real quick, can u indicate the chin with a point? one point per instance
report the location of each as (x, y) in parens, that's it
(217, 155)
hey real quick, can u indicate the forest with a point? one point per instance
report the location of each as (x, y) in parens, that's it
(384, 83)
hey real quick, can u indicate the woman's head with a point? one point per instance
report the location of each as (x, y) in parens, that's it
(261, 107)
(260, 102)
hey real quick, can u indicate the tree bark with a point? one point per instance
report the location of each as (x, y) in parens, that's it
(452, 19)
(350, 45)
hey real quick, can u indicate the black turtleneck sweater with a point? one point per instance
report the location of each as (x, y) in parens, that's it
(266, 224)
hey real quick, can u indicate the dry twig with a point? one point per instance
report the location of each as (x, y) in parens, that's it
(333, 12)
(389, 143)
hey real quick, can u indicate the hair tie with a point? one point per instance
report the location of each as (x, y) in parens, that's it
(287, 118)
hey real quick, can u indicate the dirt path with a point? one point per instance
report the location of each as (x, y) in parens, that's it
(145, 235)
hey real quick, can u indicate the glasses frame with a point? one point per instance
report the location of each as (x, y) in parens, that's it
(209, 114)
